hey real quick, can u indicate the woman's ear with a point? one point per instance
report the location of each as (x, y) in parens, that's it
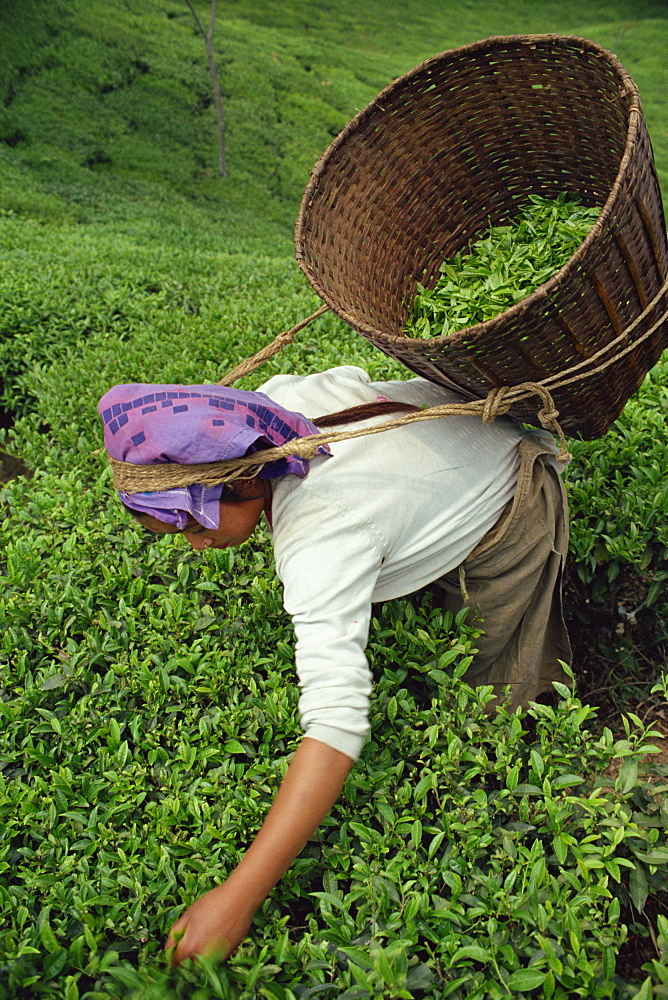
(247, 489)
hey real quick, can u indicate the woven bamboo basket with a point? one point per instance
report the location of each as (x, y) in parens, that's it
(458, 144)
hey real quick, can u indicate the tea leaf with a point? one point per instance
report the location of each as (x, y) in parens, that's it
(502, 267)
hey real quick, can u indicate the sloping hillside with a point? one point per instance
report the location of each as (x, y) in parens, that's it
(107, 113)
(147, 692)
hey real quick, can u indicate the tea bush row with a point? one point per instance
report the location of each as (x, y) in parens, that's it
(148, 696)
(149, 709)
(149, 719)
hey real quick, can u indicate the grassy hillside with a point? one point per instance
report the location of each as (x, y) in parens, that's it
(147, 692)
(106, 113)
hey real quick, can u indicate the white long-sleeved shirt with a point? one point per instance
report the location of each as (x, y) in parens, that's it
(383, 516)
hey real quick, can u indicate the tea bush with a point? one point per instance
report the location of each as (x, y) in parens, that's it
(148, 698)
(618, 588)
(149, 719)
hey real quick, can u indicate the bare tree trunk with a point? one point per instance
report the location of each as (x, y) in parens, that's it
(208, 41)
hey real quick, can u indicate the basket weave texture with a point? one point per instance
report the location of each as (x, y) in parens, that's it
(459, 143)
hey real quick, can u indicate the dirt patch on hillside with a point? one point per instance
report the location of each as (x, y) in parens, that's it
(12, 467)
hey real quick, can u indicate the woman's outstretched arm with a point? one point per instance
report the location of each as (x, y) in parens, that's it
(218, 921)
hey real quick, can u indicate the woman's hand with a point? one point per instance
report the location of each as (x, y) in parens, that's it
(213, 926)
(218, 921)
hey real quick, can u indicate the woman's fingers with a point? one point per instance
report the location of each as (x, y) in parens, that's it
(212, 927)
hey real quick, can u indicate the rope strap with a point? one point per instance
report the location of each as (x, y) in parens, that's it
(277, 344)
(144, 478)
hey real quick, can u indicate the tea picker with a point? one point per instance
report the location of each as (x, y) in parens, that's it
(421, 481)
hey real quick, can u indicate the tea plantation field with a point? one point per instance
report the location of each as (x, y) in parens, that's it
(148, 697)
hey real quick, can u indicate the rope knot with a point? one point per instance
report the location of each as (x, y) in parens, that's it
(495, 404)
(548, 414)
(548, 417)
(305, 449)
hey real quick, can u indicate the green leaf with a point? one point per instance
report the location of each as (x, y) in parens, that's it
(655, 856)
(638, 887)
(574, 931)
(525, 980)
(560, 847)
(360, 976)
(609, 962)
(359, 956)
(48, 938)
(527, 789)
(383, 966)
(612, 868)
(662, 927)
(71, 991)
(114, 737)
(645, 991)
(567, 780)
(423, 787)
(512, 777)
(628, 775)
(537, 763)
(471, 951)
(54, 681)
(435, 843)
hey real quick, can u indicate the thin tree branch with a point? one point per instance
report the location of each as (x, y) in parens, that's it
(196, 16)
(217, 100)
(212, 20)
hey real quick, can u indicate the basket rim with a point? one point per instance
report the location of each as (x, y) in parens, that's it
(634, 121)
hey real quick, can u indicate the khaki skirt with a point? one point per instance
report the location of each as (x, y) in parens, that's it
(512, 582)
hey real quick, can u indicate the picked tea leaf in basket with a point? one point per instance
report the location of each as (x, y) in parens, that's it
(503, 267)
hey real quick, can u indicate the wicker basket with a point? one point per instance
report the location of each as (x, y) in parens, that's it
(458, 143)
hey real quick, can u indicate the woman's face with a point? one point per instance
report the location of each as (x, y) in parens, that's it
(237, 523)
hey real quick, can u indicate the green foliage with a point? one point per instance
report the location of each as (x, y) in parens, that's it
(148, 698)
(502, 267)
(619, 488)
(108, 119)
(148, 721)
(618, 578)
(90, 315)
(657, 967)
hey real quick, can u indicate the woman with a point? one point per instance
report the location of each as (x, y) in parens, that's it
(478, 509)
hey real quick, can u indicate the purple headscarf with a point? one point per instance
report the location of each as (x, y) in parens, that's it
(149, 424)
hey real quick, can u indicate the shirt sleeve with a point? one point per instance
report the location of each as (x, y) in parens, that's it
(329, 564)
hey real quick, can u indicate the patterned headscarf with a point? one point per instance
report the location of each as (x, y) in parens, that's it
(149, 424)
